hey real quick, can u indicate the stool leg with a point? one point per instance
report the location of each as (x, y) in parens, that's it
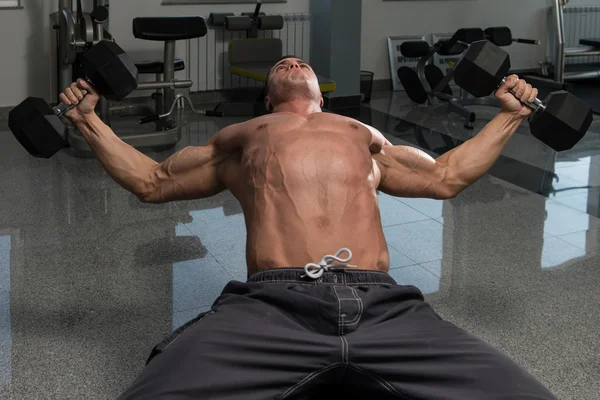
(158, 97)
(169, 74)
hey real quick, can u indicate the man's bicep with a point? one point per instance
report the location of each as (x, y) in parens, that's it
(410, 172)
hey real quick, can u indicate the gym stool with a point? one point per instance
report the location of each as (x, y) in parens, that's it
(168, 30)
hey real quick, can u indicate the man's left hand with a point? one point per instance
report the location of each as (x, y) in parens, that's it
(522, 91)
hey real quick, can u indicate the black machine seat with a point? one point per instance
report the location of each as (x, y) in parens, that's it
(420, 48)
(594, 42)
(415, 48)
(169, 28)
(157, 67)
(455, 50)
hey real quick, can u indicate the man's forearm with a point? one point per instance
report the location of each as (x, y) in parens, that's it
(128, 167)
(470, 161)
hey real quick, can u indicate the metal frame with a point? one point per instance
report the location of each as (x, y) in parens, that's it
(557, 18)
(167, 133)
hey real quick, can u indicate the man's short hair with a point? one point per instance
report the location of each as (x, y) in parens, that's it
(266, 90)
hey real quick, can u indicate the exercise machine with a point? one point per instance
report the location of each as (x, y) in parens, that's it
(433, 86)
(75, 33)
(428, 84)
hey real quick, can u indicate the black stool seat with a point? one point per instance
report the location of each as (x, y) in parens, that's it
(169, 28)
(157, 67)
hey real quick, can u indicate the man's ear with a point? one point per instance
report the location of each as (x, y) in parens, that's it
(322, 101)
(268, 104)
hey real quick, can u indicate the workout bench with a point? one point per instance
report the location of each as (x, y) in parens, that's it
(253, 57)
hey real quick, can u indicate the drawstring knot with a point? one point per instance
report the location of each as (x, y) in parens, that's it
(315, 271)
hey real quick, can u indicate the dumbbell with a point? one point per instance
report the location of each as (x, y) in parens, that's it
(560, 121)
(37, 126)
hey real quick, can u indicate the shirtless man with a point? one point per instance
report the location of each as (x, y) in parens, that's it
(307, 182)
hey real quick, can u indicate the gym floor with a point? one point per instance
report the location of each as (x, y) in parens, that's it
(91, 279)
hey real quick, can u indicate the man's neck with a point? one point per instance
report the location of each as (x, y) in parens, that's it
(298, 107)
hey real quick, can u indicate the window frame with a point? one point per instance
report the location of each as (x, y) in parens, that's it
(10, 5)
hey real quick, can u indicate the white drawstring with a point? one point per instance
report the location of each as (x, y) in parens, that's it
(315, 271)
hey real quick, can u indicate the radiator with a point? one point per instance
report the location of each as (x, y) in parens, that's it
(581, 22)
(206, 57)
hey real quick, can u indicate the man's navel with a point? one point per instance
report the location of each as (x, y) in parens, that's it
(322, 222)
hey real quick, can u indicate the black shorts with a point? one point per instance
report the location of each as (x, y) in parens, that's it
(281, 336)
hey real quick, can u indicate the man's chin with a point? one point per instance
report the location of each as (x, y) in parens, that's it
(297, 76)
(297, 80)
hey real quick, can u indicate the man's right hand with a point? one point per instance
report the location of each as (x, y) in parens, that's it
(85, 98)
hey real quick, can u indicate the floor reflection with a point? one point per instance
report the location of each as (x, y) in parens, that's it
(5, 317)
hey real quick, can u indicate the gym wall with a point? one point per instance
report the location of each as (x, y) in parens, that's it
(25, 49)
(380, 19)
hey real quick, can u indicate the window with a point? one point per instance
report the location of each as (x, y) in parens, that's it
(10, 4)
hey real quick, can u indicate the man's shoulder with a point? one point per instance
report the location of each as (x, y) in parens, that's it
(330, 116)
(290, 118)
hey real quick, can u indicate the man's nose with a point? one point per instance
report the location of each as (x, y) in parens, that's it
(294, 64)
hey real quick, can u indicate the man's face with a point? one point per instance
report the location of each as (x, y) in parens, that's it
(292, 67)
(292, 77)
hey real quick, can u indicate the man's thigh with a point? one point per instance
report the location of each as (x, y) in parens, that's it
(417, 355)
(240, 351)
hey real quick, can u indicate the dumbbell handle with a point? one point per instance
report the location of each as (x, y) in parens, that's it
(534, 105)
(63, 108)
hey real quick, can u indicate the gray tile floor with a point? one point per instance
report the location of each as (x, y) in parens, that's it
(91, 279)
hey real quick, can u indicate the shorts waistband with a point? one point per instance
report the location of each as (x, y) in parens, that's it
(334, 277)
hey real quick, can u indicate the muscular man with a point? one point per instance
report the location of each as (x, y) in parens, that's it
(319, 307)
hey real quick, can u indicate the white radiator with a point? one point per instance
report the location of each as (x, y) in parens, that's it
(206, 57)
(581, 22)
